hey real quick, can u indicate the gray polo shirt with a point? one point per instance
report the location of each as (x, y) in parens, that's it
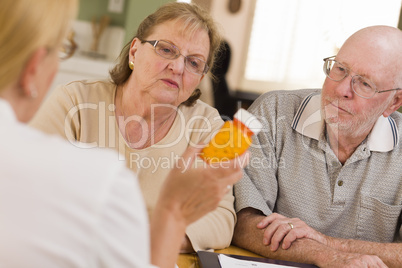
(294, 172)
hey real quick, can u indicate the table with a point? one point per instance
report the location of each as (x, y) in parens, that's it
(192, 261)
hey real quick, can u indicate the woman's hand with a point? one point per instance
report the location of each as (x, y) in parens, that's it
(286, 230)
(193, 192)
(187, 194)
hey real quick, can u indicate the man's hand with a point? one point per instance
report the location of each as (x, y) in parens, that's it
(334, 252)
(352, 260)
(286, 230)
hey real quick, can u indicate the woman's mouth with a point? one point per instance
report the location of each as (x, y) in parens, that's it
(170, 83)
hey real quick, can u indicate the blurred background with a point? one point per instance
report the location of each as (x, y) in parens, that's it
(270, 44)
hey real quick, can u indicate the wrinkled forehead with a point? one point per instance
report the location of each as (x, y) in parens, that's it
(372, 56)
(374, 45)
(188, 31)
(188, 27)
(185, 27)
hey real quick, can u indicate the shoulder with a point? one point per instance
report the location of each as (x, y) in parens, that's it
(53, 158)
(88, 90)
(290, 96)
(78, 160)
(200, 120)
(200, 108)
(65, 186)
(397, 117)
(281, 101)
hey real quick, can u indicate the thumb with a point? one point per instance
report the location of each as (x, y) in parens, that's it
(188, 156)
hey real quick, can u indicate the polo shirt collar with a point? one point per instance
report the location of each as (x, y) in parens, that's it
(309, 122)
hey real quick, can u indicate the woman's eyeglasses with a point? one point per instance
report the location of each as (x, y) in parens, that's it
(171, 52)
(68, 48)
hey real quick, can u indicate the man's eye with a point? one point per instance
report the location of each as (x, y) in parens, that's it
(366, 85)
(340, 69)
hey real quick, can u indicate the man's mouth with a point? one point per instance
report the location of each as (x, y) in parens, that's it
(336, 105)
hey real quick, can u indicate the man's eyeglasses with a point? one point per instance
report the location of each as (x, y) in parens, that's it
(171, 52)
(360, 85)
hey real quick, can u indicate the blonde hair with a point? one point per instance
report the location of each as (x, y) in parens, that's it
(27, 25)
(191, 16)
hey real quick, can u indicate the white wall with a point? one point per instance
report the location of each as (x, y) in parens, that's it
(235, 31)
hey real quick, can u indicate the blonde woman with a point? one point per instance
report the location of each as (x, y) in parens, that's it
(66, 207)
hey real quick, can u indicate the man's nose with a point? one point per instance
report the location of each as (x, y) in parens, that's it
(345, 88)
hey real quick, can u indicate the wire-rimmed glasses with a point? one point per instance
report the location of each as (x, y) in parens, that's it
(67, 49)
(362, 86)
(171, 52)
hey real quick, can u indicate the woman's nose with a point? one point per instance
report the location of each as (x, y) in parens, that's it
(177, 65)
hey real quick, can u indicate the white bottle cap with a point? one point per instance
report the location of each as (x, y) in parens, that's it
(249, 120)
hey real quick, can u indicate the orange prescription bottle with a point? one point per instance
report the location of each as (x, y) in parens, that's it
(233, 139)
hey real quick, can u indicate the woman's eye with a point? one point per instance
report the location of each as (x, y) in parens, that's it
(194, 63)
(167, 50)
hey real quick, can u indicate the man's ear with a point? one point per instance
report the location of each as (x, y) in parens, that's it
(395, 104)
(31, 70)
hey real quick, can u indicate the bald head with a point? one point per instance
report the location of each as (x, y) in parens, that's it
(378, 32)
(379, 47)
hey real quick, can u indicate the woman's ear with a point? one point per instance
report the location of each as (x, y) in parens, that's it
(395, 104)
(30, 73)
(133, 48)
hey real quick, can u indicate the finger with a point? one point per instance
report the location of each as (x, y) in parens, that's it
(270, 231)
(227, 172)
(263, 223)
(238, 162)
(292, 236)
(269, 219)
(281, 231)
(373, 261)
(188, 156)
(227, 183)
(235, 176)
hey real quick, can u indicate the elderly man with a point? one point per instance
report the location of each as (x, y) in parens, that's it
(324, 181)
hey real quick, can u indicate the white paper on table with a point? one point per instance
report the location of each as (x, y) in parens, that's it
(229, 262)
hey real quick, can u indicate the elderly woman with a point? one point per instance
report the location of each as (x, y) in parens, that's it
(61, 206)
(149, 112)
